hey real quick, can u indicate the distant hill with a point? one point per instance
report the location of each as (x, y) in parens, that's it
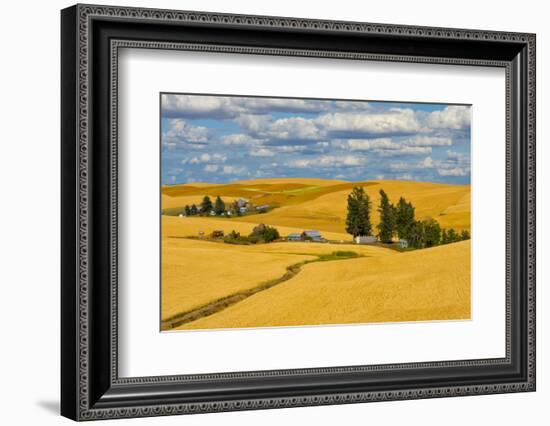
(321, 204)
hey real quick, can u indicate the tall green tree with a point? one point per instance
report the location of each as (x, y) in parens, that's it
(404, 218)
(206, 205)
(416, 235)
(358, 218)
(452, 236)
(187, 210)
(464, 235)
(194, 210)
(386, 227)
(263, 233)
(444, 238)
(219, 206)
(432, 233)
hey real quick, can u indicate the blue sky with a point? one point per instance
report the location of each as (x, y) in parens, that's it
(218, 139)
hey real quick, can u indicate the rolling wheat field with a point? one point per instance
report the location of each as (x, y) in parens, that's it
(207, 283)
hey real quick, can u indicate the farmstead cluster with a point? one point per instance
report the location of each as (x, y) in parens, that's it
(398, 225)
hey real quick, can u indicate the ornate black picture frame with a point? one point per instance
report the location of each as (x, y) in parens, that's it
(91, 386)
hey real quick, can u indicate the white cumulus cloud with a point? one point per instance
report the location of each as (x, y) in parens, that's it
(394, 121)
(451, 117)
(458, 157)
(427, 163)
(211, 168)
(366, 144)
(423, 140)
(406, 150)
(328, 161)
(291, 128)
(207, 158)
(406, 176)
(193, 106)
(234, 170)
(240, 139)
(262, 152)
(456, 164)
(211, 106)
(456, 171)
(401, 165)
(182, 133)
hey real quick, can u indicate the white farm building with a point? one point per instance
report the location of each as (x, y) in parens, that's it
(242, 202)
(365, 239)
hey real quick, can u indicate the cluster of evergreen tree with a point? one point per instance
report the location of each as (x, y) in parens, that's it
(206, 207)
(260, 234)
(397, 221)
(451, 236)
(264, 234)
(191, 211)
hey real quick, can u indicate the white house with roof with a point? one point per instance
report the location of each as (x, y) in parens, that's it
(307, 235)
(313, 235)
(365, 239)
(242, 202)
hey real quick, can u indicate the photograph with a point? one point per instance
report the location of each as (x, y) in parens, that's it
(273, 207)
(281, 212)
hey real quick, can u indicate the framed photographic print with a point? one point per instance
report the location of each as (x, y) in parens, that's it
(263, 212)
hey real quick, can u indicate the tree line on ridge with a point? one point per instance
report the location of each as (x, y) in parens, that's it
(396, 221)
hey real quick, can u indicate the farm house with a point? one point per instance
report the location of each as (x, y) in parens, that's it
(242, 202)
(312, 235)
(294, 237)
(365, 239)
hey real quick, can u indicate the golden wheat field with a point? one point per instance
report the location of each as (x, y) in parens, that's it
(328, 211)
(314, 203)
(429, 284)
(187, 262)
(191, 226)
(304, 283)
(197, 272)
